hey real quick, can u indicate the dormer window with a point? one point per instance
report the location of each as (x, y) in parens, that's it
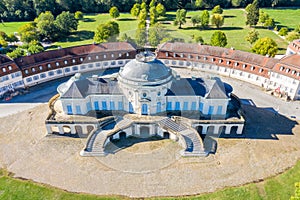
(236, 64)
(167, 54)
(127, 54)
(97, 57)
(120, 55)
(33, 69)
(205, 58)
(228, 62)
(73, 60)
(220, 61)
(26, 71)
(49, 66)
(189, 56)
(181, 55)
(104, 56)
(89, 58)
(198, 57)
(287, 70)
(3, 69)
(112, 55)
(9, 67)
(57, 63)
(66, 62)
(41, 67)
(252, 68)
(281, 68)
(293, 72)
(81, 59)
(244, 66)
(212, 60)
(260, 70)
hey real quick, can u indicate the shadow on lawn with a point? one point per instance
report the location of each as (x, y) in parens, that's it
(79, 36)
(88, 20)
(126, 19)
(229, 16)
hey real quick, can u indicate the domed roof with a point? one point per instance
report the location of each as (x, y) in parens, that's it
(145, 68)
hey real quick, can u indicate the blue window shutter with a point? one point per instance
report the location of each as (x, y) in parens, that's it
(69, 110)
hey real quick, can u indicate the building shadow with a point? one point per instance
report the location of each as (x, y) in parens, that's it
(263, 123)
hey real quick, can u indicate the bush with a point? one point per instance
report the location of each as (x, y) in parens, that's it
(283, 31)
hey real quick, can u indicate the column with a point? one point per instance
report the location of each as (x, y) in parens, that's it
(227, 129)
(240, 129)
(73, 130)
(84, 129)
(61, 130)
(49, 129)
(204, 129)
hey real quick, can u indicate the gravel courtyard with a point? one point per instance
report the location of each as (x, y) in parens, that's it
(269, 146)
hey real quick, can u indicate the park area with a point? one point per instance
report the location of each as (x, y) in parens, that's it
(234, 27)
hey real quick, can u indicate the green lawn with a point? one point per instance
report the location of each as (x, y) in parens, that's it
(234, 27)
(278, 187)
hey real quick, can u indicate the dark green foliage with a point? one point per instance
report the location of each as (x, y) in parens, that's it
(107, 32)
(114, 12)
(252, 36)
(205, 19)
(198, 39)
(218, 38)
(180, 17)
(283, 31)
(217, 10)
(141, 37)
(217, 20)
(66, 23)
(252, 13)
(265, 46)
(195, 20)
(269, 23)
(78, 15)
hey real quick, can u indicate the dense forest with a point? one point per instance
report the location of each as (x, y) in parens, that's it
(24, 10)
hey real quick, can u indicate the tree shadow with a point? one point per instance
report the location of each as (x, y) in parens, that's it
(167, 17)
(263, 123)
(88, 20)
(190, 28)
(78, 36)
(231, 28)
(229, 16)
(126, 19)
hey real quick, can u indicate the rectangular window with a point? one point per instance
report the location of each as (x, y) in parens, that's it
(78, 110)
(185, 105)
(158, 107)
(112, 105)
(193, 106)
(219, 111)
(177, 105)
(120, 105)
(169, 105)
(104, 105)
(201, 106)
(130, 108)
(210, 110)
(69, 110)
(96, 105)
(88, 106)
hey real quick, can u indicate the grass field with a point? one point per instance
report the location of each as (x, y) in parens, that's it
(278, 187)
(234, 27)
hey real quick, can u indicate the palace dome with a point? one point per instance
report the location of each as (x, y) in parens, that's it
(145, 68)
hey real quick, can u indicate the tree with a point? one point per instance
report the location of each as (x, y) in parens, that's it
(144, 6)
(270, 23)
(217, 10)
(143, 14)
(28, 32)
(18, 52)
(46, 26)
(252, 36)
(218, 38)
(152, 3)
(217, 20)
(263, 17)
(180, 17)
(3, 35)
(252, 13)
(205, 19)
(78, 15)
(157, 34)
(141, 36)
(283, 31)
(153, 15)
(195, 20)
(198, 39)
(12, 38)
(135, 10)
(265, 46)
(293, 35)
(3, 43)
(297, 192)
(161, 10)
(35, 47)
(107, 32)
(125, 38)
(114, 12)
(65, 23)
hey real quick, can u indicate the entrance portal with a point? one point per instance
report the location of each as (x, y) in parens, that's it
(144, 132)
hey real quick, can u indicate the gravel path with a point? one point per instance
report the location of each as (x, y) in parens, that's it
(270, 146)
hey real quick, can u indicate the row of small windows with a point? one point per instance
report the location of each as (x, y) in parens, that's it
(9, 68)
(103, 105)
(13, 75)
(120, 62)
(287, 70)
(11, 86)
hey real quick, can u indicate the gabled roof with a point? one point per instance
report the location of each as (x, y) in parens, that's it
(84, 87)
(74, 51)
(217, 90)
(187, 87)
(4, 59)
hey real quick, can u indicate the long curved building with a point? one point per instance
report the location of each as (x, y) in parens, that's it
(280, 75)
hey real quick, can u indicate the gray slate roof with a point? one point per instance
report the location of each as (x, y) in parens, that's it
(84, 87)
